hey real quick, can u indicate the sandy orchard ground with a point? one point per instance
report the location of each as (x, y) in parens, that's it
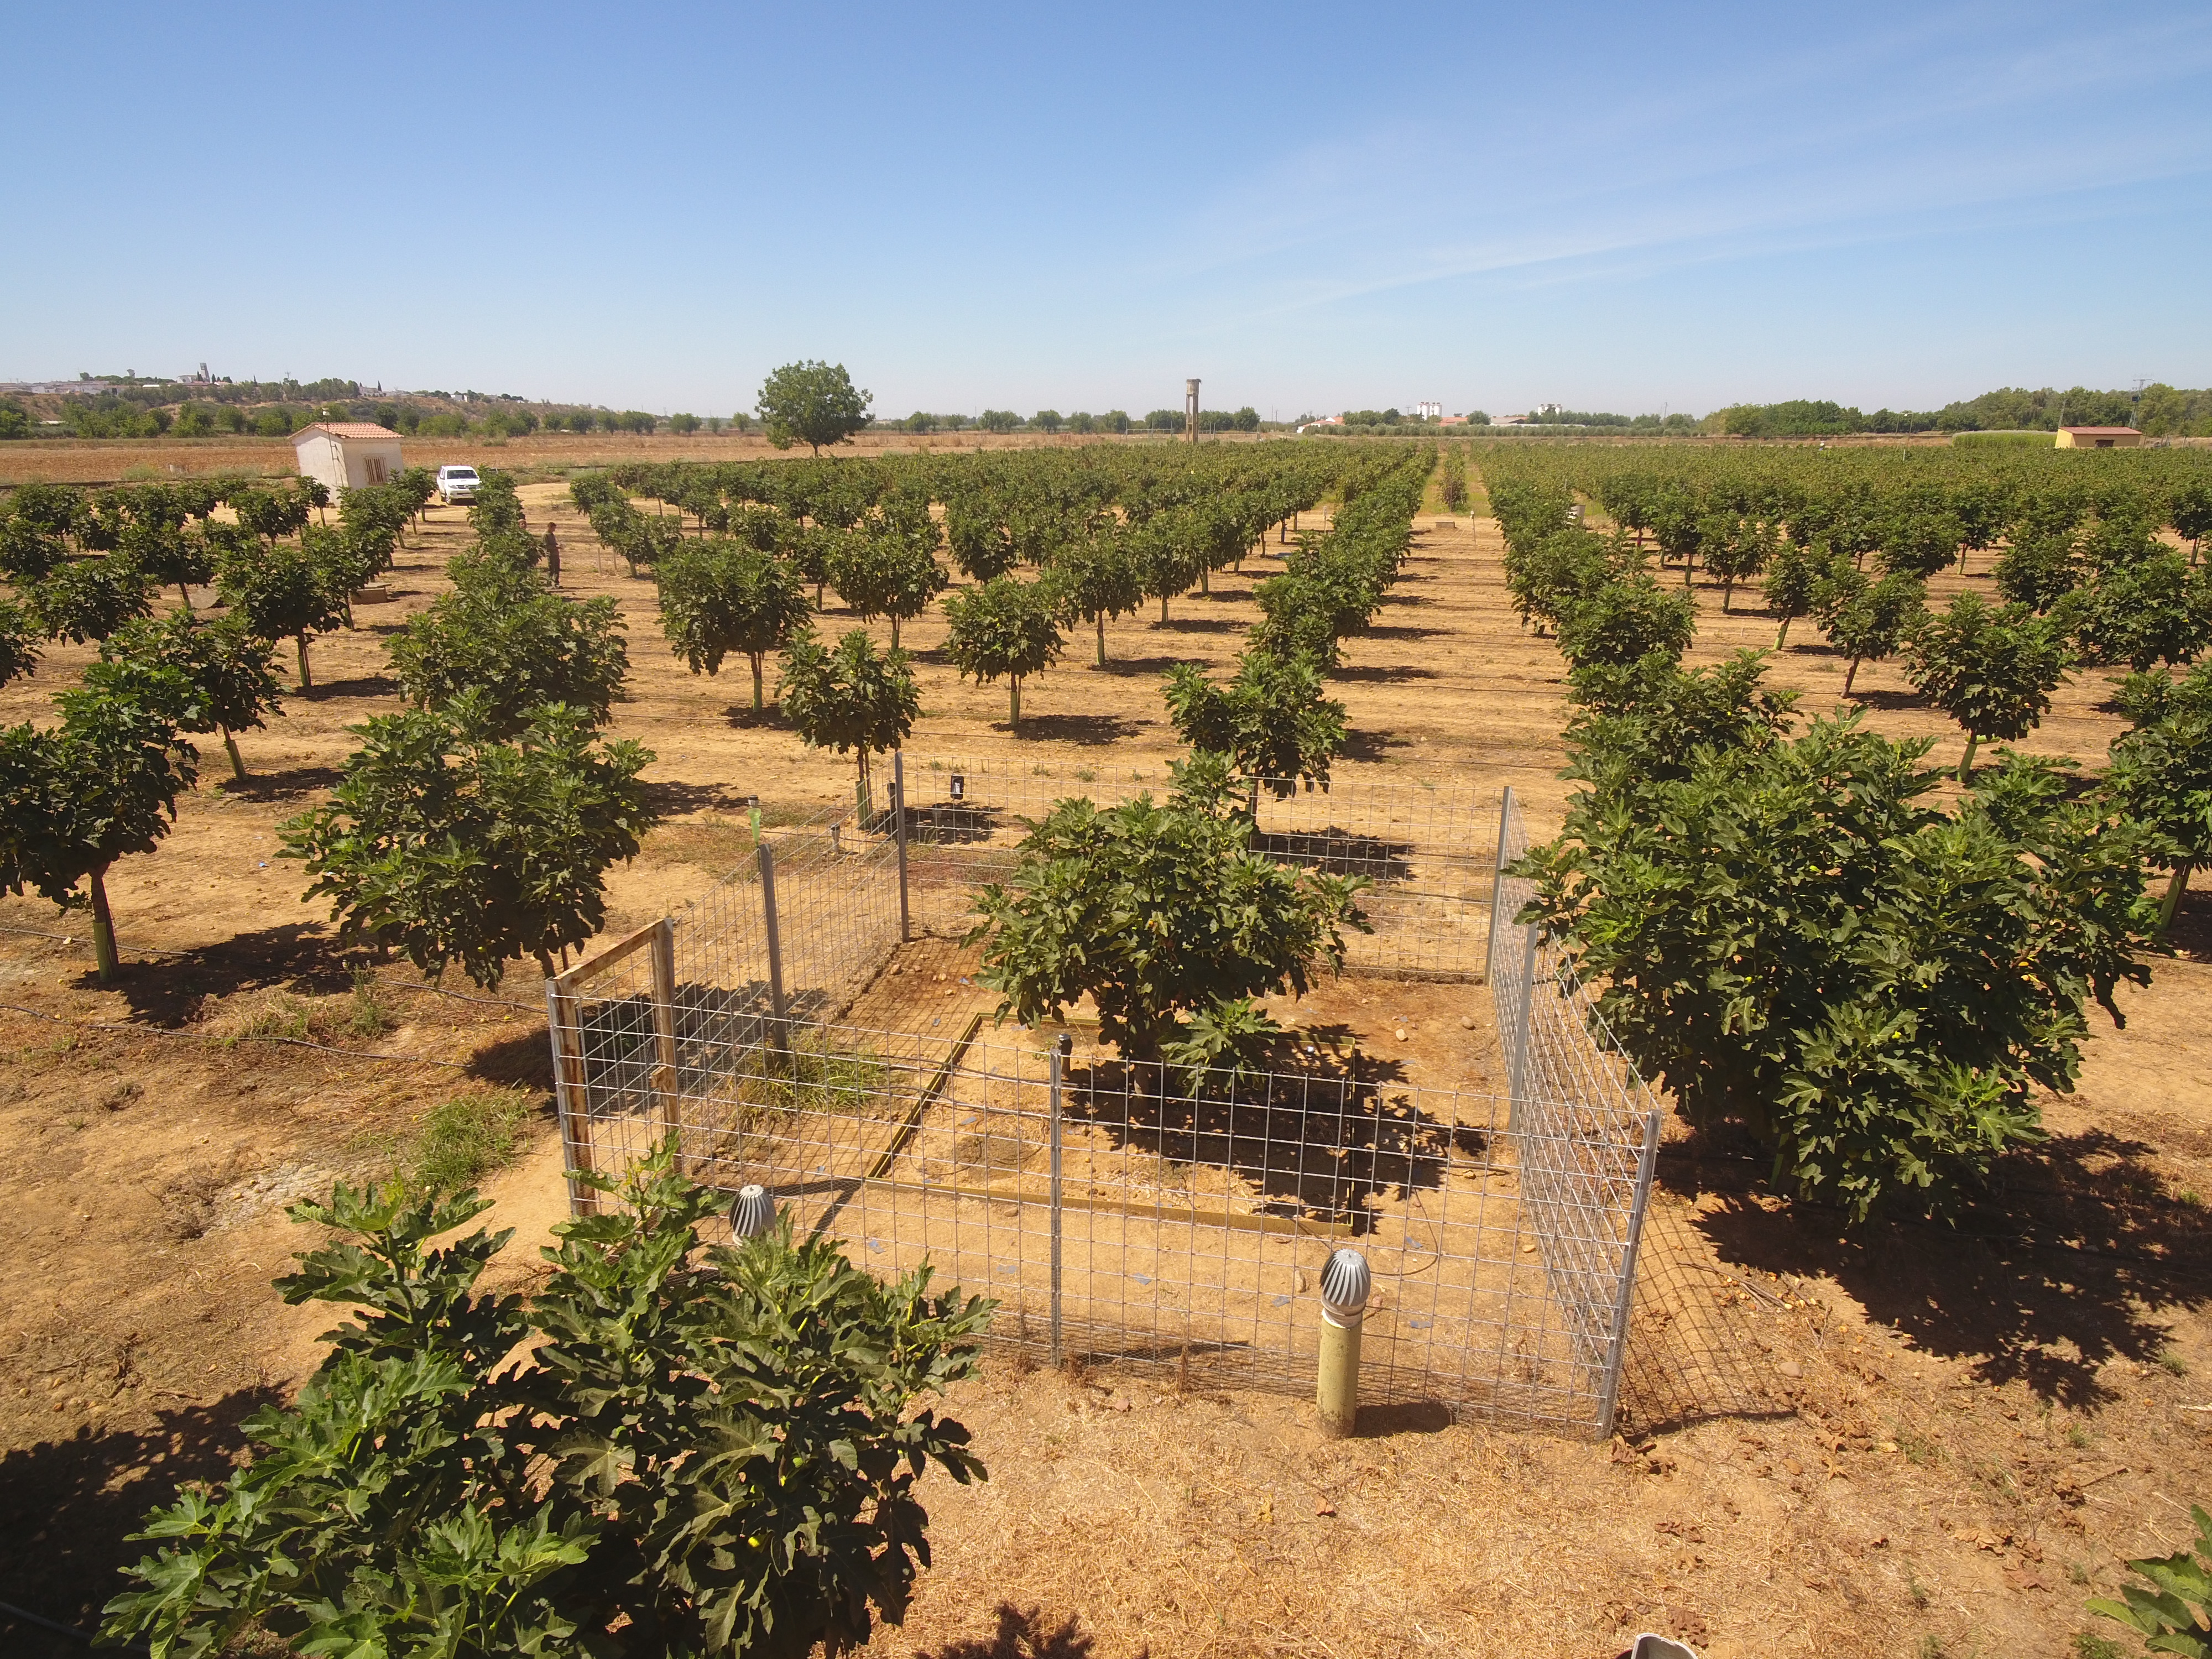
(1974, 1420)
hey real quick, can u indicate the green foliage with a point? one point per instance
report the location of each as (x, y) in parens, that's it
(850, 698)
(673, 1447)
(719, 595)
(1223, 1047)
(282, 593)
(454, 848)
(1868, 623)
(497, 508)
(810, 402)
(2154, 610)
(507, 642)
(1094, 577)
(82, 600)
(2038, 569)
(225, 669)
(1272, 720)
(1003, 627)
(885, 573)
(1153, 909)
(19, 642)
(1625, 621)
(2161, 771)
(99, 787)
(1794, 579)
(1788, 937)
(1990, 668)
(2175, 1614)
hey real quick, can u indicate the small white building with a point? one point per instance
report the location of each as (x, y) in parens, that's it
(347, 454)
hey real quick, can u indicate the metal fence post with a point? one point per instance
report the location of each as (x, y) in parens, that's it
(1498, 888)
(1518, 1072)
(898, 812)
(774, 944)
(1610, 1400)
(1059, 1051)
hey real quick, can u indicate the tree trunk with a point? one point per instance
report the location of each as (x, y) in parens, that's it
(306, 681)
(1784, 635)
(2174, 889)
(1727, 593)
(103, 927)
(237, 765)
(757, 656)
(863, 796)
(545, 963)
(185, 594)
(1102, 639)
(1689, 564)
(1205, 581)
(1014, 701)
(1966, 762)
(1851, 674)
(895, 633)
(1164, 610)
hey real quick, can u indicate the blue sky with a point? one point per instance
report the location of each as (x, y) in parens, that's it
(1618, 207)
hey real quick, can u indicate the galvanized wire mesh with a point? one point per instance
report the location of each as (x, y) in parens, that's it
(1422, 848)
(778, 1029)
(1683, 1356)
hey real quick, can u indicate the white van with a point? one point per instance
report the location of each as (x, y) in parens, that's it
(457, 483)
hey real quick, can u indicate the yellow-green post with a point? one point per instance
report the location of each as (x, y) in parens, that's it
(1345, 1284)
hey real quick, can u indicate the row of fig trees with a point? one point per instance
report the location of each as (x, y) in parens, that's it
(102, 781)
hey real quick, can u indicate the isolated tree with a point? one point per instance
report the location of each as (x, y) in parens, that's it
(1094, 578)
(1792, 586)
(2189, 510)
(168, 553)
(1272, 719)
(506, 639)
(718, 1443)
(2161, 772)
(1155, 910)
(1168, 553)
(223, 667)
(719, 595)
(98, 787)
(811, 403)
(498, 505)
(1790, 939)
(454, 848)
(282, 593)
(1921, 542)
(1876, 619)
(1003, 627)
(1991, 669)
(850, 698)
(84, 600)
(2038, 569)
(885, 575)
(1736, 546)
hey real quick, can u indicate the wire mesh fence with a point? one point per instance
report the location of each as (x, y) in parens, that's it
(1126, 1212)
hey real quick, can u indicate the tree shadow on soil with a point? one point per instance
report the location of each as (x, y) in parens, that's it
(1372, 745)
(1380, 675)
(2054, 1271)
(672, 798)
(1089, 731)
(1325, 1136)
(1197, 624)
(1021, 1634)
(299, 956)
(1128, 667)
(287, 785)
(65, 1506)
(1891, 700)
(365, 685)
(747, 718)
(1400, 631)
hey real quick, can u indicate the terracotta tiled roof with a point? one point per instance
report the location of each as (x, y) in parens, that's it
(348, 430)
(2105, 431)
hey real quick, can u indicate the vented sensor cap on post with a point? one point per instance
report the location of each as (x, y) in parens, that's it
(752, 1211)
(1345, 1284)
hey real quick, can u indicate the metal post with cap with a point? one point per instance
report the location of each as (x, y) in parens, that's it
(1345, 1284)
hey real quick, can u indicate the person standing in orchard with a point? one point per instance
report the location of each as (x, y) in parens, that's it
(552, 556)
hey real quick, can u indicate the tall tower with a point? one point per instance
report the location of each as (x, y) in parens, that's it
(1190, 409)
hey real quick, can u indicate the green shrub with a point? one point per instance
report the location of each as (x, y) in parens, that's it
(466, 1139)
(672, 1448)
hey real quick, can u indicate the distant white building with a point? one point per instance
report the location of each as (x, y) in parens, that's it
(1427, 410)
(347, 454)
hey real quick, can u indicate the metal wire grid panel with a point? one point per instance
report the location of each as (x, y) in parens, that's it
(1424, 851)
(1573, 1084)
(1126, 1215)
